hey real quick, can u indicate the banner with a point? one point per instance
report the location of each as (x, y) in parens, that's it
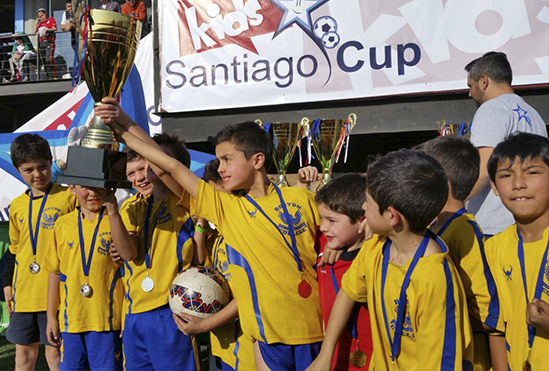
(240, 53)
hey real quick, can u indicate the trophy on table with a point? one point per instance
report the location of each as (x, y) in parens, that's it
(463, 128)
(107, 48)
(328, 136)
(286, 136)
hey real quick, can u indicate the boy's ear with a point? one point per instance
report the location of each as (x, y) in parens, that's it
(363, 224)
(395, 218)
(258, 160)
(494, 188)
(73, 191)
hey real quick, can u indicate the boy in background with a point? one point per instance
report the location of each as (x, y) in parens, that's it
(85, 280)
(465, 240)
(519, 173)
(417, 305)
(342, 225)
(269, 232)
(32, 218)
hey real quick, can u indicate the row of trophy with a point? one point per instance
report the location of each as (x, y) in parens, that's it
(463, 128)
(326, 136)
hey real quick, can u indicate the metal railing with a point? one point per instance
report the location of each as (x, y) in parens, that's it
(36, 66)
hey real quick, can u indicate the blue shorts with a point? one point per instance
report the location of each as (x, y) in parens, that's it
(27, 328)
(98, 351)
(281, 357)
(152, 341)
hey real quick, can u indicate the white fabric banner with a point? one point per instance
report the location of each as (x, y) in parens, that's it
(240, 53)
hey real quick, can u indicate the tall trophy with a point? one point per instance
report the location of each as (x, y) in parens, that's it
(286, 136)
(107, 48)
(463, 128)
(327, 137)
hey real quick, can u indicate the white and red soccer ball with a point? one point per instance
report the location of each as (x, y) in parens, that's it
(199, 291)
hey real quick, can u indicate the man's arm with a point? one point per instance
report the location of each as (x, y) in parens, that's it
(483, 178)
(124, 127)
(142, 11)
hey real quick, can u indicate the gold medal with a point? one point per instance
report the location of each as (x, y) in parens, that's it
(358, 359)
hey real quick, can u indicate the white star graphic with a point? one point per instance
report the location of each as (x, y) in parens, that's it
(297, 11)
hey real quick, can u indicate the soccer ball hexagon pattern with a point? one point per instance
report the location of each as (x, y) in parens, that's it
(323, 25)
(330, 40)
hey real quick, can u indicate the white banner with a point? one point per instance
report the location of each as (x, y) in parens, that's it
(241, 53)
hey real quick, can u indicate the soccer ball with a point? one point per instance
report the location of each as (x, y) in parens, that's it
(330, 40)
(324, 25)
(199, 291)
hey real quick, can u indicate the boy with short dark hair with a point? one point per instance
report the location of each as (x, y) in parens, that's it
(86, 282)
(343, 227)
(269, 233)
(460, 160)
(32, 218)
(415, 298)
(519, 173)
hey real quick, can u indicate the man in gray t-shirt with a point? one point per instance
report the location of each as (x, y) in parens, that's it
(501, 112)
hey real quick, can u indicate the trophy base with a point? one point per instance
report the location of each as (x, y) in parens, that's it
(92, 167)
(281, 180)
(326, 177)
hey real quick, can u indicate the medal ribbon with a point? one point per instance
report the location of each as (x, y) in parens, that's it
(148, 241)
(457, 214)
(34, 235)
(86, 265)
(539, 283)
(293, 247)
(395, 343)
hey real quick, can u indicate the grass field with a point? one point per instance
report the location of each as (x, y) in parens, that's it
(7, 356)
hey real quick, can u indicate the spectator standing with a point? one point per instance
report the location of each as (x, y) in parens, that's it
(45, 28)
(137, 10)
(110, 5)
(67, 23)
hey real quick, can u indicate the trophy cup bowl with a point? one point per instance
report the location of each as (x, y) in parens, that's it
(285, 137)
(327, 136)
(463, 128)
(109, 43)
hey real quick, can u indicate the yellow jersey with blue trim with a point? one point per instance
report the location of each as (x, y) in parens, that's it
(130, 200)
(170, 248)
(503, 259)
(100, 311)
(228, 342)
(436, 333)
(262, 263)
(28, 288)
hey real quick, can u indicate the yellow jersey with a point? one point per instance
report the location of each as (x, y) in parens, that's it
(502, 256)
(436, 331)
(263, 269)
(101, 310)
(171, 249)
(29, 289)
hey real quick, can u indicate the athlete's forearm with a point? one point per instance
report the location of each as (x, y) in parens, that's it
(339, 318)
(498, 352)
(125, 244)
(224, 316)
(54, 281)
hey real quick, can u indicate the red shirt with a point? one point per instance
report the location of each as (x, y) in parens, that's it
(328, 292)
(139, 12)
(49, 23)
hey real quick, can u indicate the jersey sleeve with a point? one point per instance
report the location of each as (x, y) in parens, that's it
(490, 125)
(354, 281)
(489, 250)
(51, 260)
(130, 216)
(209, 204)
(14, 232)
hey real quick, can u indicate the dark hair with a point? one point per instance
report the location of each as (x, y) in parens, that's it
(459, 159)
(210, 172)
(495, 65)
(248, 137)
(518, 145)
(345, 195)
(28, 147)
(131, 154)
(412, 182)
(176, 145)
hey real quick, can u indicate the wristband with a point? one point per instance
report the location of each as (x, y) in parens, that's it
(200, 228)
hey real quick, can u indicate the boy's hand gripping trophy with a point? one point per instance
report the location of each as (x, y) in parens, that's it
(106, 50)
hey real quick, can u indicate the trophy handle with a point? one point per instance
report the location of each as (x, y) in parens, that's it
(259, 122)
(352, 121)
(305, 126)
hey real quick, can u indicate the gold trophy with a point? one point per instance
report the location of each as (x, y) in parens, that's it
(327, 137)
(463, 128)
(286, 136)
(108, 44)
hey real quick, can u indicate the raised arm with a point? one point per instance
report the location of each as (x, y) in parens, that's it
(125, 128)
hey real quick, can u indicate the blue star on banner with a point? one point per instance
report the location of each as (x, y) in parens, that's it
(523, 114)
(298, 12)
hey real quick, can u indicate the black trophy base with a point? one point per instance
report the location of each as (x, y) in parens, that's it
(93, 167)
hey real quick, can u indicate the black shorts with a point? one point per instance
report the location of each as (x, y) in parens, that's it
(27, 328)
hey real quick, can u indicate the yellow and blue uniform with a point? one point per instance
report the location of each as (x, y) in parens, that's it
(503, 258)
(228, 342)
(465, 242)
(151, 338)
(436, 331)
(263, 267)
(28, 288)
(89, 326)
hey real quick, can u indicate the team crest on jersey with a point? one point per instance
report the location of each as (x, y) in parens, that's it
(295, 215)
(49, 217)
(21, 220)
(70, 244)
(407, 329)
(508, 272)
(104, 243)
(163, 216)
